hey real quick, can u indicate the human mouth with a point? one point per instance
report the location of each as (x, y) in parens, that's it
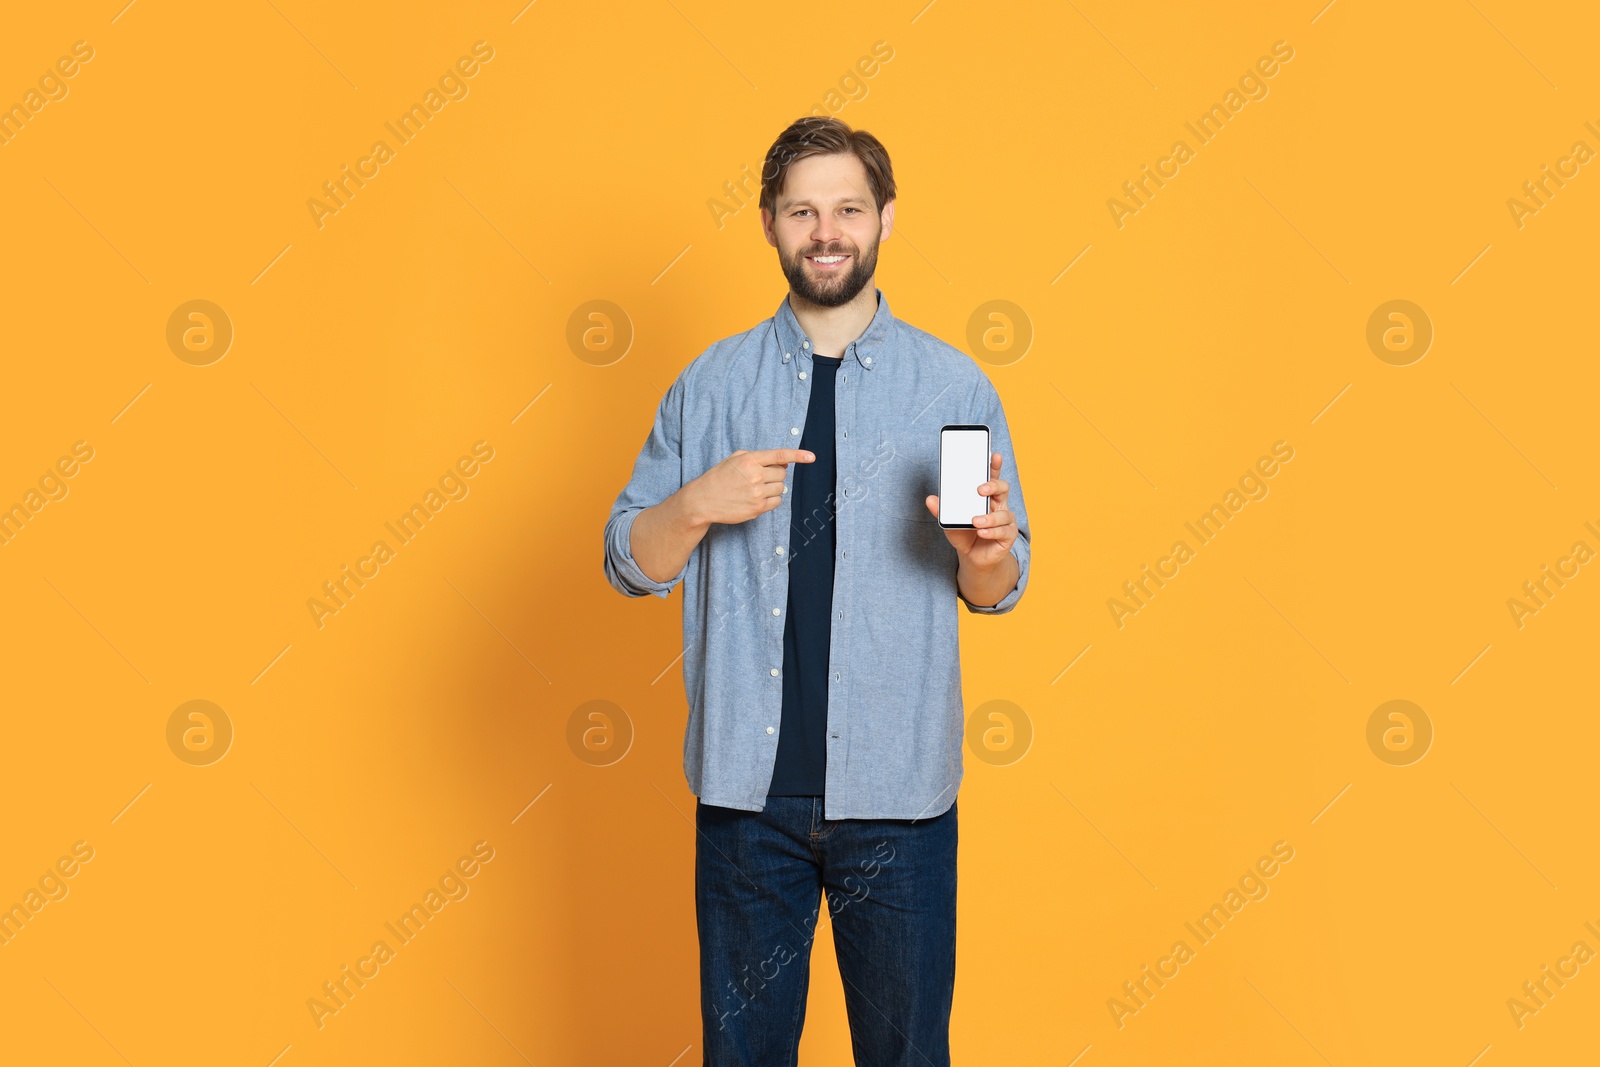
(827, 263)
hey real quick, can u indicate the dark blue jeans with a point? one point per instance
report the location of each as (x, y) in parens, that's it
(890, 890)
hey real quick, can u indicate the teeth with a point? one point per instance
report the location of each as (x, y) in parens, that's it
(827, 259)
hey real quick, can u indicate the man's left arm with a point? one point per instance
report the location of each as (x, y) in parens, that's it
(993, 569)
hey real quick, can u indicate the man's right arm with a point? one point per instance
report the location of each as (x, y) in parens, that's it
(663, 536)
(660, 517)
(739, 488)
(653, 497)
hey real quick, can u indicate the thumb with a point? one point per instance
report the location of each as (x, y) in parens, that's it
(932, 504)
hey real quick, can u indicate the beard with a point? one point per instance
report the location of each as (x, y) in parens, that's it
(833, 289)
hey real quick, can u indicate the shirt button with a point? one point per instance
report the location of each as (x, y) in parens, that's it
(802, 376)
(780, 550)
(805, 344)
(774, 672)
(867, 360)
(786, 357)
(775, 611)
(769, 729)
(794, 431)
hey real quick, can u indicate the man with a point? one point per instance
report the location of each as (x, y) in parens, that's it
(788, 483)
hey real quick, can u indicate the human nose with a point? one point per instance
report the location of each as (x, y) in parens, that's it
(826, 229)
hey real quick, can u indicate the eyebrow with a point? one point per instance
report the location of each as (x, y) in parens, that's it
(802, 202)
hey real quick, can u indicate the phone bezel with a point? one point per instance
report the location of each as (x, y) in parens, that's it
(988, 442)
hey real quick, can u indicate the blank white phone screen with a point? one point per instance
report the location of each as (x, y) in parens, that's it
(963, 466)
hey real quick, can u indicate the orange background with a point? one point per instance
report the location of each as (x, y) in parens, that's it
(371, 753)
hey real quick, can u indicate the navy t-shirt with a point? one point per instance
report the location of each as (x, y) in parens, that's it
(802, 759)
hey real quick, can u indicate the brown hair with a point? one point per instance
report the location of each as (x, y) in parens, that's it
(821, 136)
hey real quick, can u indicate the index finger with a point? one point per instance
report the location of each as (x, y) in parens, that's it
(771, 457)
(999, 490)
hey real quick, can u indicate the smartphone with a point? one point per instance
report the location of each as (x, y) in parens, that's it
(963, 466)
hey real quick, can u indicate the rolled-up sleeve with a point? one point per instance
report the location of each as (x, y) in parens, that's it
(994, 416)
(657, 474)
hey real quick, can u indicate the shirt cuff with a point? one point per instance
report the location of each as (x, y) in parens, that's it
(623, 571)
(1020, 552)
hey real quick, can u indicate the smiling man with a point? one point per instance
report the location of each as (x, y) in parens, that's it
(788, 483)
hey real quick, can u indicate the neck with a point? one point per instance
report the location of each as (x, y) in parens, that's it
(831, 329)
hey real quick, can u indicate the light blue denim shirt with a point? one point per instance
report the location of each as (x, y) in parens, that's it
(895, 716)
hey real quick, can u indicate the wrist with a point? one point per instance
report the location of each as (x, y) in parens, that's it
(684, 506)
(968, 565)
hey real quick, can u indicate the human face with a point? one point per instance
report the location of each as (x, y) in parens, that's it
(827, 229)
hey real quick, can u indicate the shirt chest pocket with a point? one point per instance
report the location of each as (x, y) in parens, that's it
(902, 470)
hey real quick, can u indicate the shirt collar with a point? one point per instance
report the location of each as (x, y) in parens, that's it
(868, 349)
